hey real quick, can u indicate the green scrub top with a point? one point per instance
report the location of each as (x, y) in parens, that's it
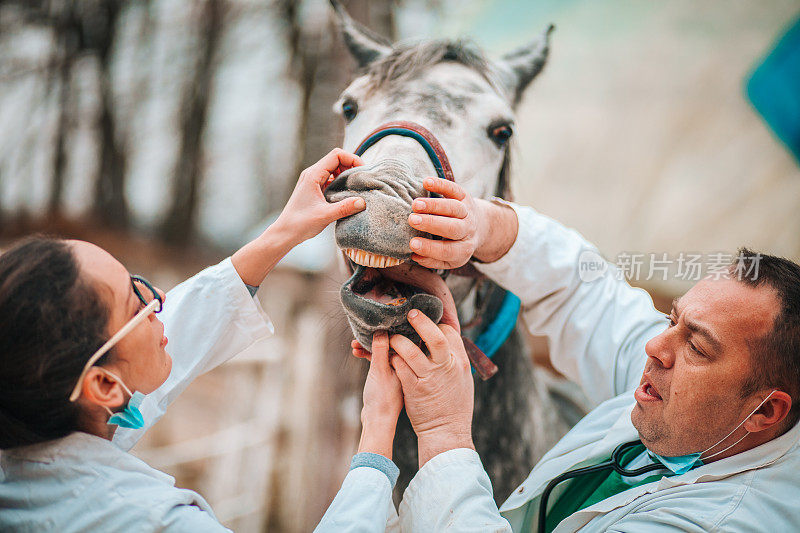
(588, 489)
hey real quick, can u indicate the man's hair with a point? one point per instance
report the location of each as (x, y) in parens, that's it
(775, 355)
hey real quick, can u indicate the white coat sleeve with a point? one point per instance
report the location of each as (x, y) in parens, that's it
(208, 319)
(190, 519)
(596, 329)
(452, 492)
(363, 504)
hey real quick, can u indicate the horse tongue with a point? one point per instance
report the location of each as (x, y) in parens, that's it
(369, 283)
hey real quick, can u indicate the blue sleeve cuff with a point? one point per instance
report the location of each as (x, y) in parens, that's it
(377, 461)
(252, 289)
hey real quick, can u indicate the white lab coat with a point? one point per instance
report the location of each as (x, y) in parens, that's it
(597, 332)
(86, 483)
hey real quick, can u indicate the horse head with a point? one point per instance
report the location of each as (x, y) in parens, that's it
(465, 102)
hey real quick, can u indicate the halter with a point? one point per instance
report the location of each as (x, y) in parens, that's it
(414, 131)
(497, 331)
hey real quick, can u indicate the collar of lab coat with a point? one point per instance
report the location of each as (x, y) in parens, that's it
(623, 431)
(80, 448)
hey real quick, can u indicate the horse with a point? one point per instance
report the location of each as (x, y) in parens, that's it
(426, 109)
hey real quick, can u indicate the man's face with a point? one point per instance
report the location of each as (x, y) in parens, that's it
(690, 393)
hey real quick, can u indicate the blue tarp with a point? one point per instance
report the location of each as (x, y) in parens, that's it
(774, 89)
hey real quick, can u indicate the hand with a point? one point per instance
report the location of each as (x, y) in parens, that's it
(438, 390)
(383, 400)
(471, 228)
(307, 212)
(454, 217)
(429, 282)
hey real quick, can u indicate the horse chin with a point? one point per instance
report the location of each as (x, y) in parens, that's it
(373, 302)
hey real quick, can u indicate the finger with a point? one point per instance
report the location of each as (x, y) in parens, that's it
(429, 282)
(441, 250)
(404, 373)
(411, 354)
(450, 228)
(344, 208)
(334, 162)
(456, 344)
(445, 207)
(380, 352)
(431, 335)
(362, 354)
(434, 264)
(447, 188)
(359, 351)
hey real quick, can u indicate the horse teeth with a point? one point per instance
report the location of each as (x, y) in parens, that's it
(369, 259)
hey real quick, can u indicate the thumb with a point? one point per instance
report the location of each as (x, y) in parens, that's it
(345, 208)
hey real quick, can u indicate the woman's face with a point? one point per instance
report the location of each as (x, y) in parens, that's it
(140, 358)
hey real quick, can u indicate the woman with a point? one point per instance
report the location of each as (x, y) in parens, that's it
(85, 369)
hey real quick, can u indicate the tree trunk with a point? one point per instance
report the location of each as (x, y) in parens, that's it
(66, 49)
(179, 224)
(110, 206)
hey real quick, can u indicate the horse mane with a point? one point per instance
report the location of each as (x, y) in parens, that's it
(407, 60)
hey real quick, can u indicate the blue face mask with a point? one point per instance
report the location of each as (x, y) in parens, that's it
(683, 463)
(130, 417)
(680, 464)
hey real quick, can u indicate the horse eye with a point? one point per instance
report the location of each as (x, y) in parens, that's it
(349, 110)
(500, 134)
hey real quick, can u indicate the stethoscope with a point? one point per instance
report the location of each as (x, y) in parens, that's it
(613, 464)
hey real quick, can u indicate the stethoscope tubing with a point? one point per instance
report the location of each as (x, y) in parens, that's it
(612, 463)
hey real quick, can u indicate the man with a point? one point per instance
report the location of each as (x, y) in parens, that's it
(710, 391)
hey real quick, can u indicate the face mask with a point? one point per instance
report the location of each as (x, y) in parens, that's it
(683, 463)
(130, 417)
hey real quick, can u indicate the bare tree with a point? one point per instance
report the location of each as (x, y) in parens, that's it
(179, 224)
(322, 67)
(67, 45)
(99, 31)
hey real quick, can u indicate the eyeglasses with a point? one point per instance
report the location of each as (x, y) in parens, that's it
(136, 282)
(153, 305)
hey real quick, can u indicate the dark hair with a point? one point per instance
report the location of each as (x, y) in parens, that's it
(776, 355)
(51, 321)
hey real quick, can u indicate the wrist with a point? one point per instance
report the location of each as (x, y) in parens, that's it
(498, 230)
(377, 434)
(282, 233)
(432, 443)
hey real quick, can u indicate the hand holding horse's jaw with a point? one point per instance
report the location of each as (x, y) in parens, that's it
(383, 401)
(438, 390)
(470, 228)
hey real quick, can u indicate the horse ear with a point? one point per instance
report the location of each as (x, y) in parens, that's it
(364, 45)
(524, 64)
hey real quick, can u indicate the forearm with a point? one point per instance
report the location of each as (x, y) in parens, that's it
(451, 493)
(499, 228)
(596, 327)
(256, 259)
